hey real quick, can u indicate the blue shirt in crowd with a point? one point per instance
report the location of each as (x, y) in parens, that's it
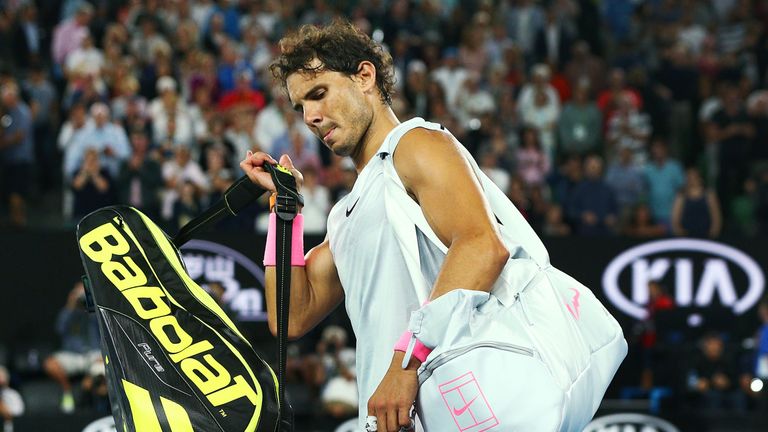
(663, 183)
(16, 119)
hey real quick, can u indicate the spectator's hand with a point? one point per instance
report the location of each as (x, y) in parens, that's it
(74, 296)
(702, 384)
(135, 162)
(392, 401)
(720, 381)
(589, 218)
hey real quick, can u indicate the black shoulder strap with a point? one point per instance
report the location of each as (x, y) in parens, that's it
(241, 194)
(287, 205)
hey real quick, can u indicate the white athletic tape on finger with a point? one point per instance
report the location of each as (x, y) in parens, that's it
(371, 424)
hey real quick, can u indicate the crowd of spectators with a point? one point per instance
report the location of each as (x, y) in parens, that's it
(628, 117)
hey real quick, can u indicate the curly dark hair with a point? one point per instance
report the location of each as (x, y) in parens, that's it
(340, 47)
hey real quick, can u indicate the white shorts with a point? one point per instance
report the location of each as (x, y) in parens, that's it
(74, 363)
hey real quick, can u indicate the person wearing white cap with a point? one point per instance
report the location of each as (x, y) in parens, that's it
(170, 115)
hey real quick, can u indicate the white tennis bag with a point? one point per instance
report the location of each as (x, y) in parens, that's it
(536, 354)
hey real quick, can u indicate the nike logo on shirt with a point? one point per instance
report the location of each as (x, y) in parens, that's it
(349, 210)
(458, 412)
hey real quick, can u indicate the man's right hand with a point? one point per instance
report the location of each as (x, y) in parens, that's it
(253, 164)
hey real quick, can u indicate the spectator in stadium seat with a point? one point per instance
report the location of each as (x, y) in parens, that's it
(11, 403)
(31, 38)
(532, 163)
(696, 210)
(609, 99)
(186, 206)
(140, 180)
(628, 128)
(554, 224)
(489, 164)
(539, 105)
(80, 353)
(450, 75)
(658, 300)
(585, 67)
(86, 60)
(593, 204)
(274, 120)
(171, 124)
(177, 172)
(664, 177)
(17, 152)
(317, 202)
(474, 102)
(336, 373)
(243, 96)
(109, 140)
(552, 43)
(69, 34)
(580, 126)
(218, 139)
(642, 225)
(744, 210)
(714, 379)
(563, 181)
(43, 105)
(627, 180)
(415, 88)
(524, 20)
(93, 186)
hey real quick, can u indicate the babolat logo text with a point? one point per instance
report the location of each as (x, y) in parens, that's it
(107, 246)
(696, 272)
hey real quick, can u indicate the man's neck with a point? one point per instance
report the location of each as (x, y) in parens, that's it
(384, 120)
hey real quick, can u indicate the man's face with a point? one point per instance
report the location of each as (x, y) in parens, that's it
(334, 108)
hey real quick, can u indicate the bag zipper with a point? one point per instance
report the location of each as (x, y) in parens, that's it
(447, 356)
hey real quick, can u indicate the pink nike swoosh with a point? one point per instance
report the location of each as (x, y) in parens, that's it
(458, 412)
(575, 303)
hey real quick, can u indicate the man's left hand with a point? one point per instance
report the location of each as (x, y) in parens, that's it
(392, 401)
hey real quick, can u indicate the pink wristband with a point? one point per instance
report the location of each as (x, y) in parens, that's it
(297, 242)
(420, 351)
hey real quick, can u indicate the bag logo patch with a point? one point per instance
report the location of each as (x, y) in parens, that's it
(467, 404)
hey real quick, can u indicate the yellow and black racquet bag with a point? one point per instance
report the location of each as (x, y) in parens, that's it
(174, 360)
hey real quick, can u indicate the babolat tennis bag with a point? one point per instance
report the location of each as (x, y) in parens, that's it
(174, 360)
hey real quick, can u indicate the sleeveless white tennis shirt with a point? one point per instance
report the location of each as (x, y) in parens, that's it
(381, 287)
(379, 293)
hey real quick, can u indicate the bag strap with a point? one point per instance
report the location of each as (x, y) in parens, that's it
(238, 196)
(287, 204)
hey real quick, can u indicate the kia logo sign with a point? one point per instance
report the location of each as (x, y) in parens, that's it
(697, 273)
(630, 422)
(242, 279)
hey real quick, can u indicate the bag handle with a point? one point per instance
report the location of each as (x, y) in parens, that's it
(287, 204)
(238, 196)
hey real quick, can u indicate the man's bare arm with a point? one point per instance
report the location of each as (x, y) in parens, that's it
(315, 289)
(315, 292)
(441, 180)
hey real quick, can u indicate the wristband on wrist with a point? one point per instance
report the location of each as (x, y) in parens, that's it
(297, 242)
(412, 347)
(418, 349)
